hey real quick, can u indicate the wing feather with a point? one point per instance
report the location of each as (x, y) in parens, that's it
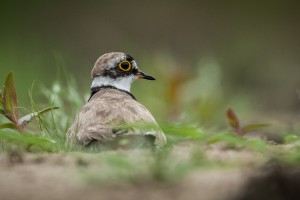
(109, 107)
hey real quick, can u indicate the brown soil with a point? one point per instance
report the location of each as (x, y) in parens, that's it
(57, 176)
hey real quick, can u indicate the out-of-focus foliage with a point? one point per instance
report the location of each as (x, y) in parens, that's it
(9, 107)
(204, 54)
(16, 126)
(234, 123)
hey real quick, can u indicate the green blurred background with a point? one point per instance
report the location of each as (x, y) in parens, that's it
(206, 55)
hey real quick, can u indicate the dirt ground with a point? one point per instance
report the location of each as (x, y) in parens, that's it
(57, 176)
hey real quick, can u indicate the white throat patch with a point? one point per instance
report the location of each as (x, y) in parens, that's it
(122, 83)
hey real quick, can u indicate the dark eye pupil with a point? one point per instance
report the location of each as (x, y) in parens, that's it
(125, 65)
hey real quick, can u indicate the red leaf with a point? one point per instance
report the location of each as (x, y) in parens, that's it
(10, 102)
(1, 104)
(234, 121)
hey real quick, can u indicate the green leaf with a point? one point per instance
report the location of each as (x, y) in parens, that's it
(27, 118)
(10, 102)
(27, 140)
(231, 140)
(185, 131)
(290, 138)
(253, 127)
(1, 100)
(2, 112)
(8, 125)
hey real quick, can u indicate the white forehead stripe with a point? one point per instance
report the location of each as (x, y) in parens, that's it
(134, 64)
(122, 83)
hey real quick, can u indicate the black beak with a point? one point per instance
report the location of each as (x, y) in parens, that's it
(143, 75)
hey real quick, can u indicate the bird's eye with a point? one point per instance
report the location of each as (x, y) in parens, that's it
(125, 65)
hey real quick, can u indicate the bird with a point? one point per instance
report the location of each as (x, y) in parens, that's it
(101, 123)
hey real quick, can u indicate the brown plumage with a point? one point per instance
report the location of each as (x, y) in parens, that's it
(111, 106)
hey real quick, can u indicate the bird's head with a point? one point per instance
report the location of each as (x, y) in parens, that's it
(117, 69)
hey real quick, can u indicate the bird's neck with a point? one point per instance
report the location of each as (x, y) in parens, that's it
(122, 83)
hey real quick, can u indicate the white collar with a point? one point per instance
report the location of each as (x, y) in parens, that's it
(122, 83)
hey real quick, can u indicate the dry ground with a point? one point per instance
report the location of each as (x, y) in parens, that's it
(64, 176)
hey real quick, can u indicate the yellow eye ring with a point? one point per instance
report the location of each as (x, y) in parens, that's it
(125, 65)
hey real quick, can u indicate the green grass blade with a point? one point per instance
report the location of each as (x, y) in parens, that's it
(8, 125)
(28, 118)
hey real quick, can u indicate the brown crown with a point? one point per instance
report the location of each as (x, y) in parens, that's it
(105, 61)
